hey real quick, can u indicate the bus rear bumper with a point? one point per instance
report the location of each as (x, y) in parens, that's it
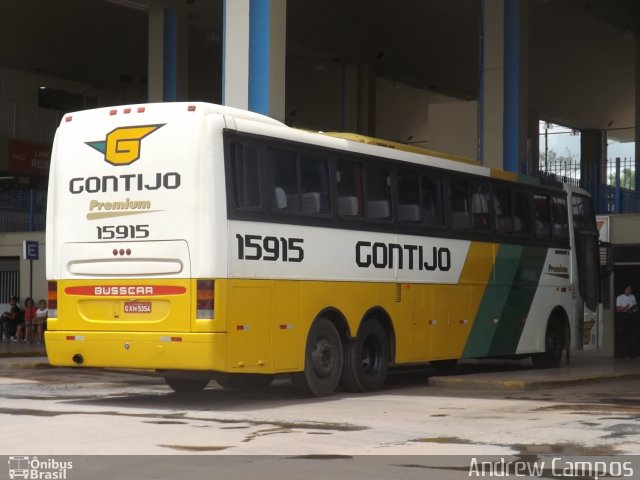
(137, 350)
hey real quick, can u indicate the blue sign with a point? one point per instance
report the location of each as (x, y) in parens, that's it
(30, 250)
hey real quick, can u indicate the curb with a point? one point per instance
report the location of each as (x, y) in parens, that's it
(24, 362)
(521, 384)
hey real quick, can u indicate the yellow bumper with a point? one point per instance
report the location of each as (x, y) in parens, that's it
(157, 350)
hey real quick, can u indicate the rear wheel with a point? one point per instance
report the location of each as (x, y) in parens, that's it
(323, 360)
(366, 359)
(186, 385)
(245, 381)
(554, 343)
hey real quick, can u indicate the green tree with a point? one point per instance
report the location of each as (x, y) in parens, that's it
(563, 165)
(627, 179)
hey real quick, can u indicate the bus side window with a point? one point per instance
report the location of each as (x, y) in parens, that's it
(378, 181)
(350, 196)
(460, 215)
(542, 210)
(502, 209)
(432, 200)
(479, 196)
(285, 179)
(583, 213)
(559, 220)
(408, 196)
(521, 212)
(245, 171)
(314, 178)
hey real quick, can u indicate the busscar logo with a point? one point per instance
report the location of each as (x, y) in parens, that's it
(122, 146)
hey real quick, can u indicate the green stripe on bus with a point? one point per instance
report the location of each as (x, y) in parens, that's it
(519, 301)
(493, 301)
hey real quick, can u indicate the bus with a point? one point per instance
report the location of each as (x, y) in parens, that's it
(211, 243)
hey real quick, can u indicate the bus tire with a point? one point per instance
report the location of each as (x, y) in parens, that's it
(244, 381)
(554, 344)
(322, 360)
(186, 385)
(366, 359)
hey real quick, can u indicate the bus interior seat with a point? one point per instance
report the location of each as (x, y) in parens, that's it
(281, 198)
(348, 206)
(409, 212)
(378, 209)
(311, 202)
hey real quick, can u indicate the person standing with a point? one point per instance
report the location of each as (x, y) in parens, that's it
(626, 310)
(41, 321)
(26, 328)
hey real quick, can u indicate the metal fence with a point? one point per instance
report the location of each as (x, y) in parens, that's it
(612, 183)
(22, 210)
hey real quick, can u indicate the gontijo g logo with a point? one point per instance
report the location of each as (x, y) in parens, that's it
(122, 145)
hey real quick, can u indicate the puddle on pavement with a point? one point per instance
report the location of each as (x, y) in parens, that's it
(196, 448)
(443, 440)
(165, 422)
(182, 418)
(321, 457)
(596, 409)
(622, 430)
(564, 449)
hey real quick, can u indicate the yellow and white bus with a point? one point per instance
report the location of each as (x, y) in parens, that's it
(206, 242)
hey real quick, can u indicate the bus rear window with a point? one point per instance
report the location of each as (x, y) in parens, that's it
(245, 171)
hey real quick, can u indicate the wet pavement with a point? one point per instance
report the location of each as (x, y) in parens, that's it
(584, 367)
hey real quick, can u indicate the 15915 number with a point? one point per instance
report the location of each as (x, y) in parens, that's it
(121, 232)
(257, 247)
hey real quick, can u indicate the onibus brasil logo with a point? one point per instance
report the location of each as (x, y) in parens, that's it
(122, 146)
(38, 469)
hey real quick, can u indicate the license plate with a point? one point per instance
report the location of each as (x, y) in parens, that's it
(137, 307)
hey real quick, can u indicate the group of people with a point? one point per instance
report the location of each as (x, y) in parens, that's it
(28, 325)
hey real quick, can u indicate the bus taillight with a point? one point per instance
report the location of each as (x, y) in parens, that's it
(52, 299)
(205, 304)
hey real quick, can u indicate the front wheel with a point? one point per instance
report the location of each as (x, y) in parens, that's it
(323, 360)
(554, 344)
(186, 385)
(366, 359)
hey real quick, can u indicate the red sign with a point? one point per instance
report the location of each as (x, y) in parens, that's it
(125, 290)
(28, 158)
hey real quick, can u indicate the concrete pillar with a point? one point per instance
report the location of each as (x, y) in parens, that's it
(503, 102)
(491, 101)
(359, 99)
(254, 47)
(637, 112)
(168, 55)
(155, 61)
(593, 150)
